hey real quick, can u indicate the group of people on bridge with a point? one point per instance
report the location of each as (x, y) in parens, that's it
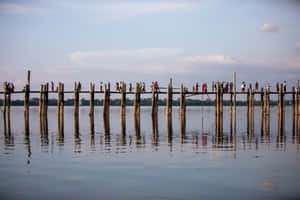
(10, 87)
(226, 87)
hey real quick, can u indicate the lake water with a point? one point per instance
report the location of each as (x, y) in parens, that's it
(196, 167)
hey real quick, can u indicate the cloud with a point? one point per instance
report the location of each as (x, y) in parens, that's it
(131, 9)
(298, 45)
(20, 9)
(123, 58)
(215, 59)
(268, 28)
(170, 60)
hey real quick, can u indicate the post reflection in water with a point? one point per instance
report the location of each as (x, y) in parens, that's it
(77, 144)
(9, 141)
(28, 148)
(107, 139)
(137, 128)
(155, 135)
(92, 143)
(123, 128)
(199, 135)
(4, 124)
(44, 142)
(106, 127)
(154, 126)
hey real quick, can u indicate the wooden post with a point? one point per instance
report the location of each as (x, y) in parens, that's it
(62, 108)
(136, 110)
(221, 113)
(268, 111)
(123, 108)
(153, 101)
(46, 108)
(43, 109)
(296, 107)
(4, 106)
(234, 103)
(169, 110)
(26, 106)
(265, 111)
(4, 97)
(282, 117)
(217, 110)
(230, 113)
(182, 112)
(280, 111)
(268, 102)
(91, 113)
(8, 111)
(154, 112)
(262, 110)
(253, 104)
(60, 134)
(40, 110)
(293, 110)
(153, 116)
(76, 109)
(106, 103)
(248, 110)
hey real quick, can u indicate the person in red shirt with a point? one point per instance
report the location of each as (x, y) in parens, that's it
(117, 86)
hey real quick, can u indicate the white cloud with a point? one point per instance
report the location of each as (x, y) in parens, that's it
(125, 10)
(168, 60)
(268, 28)
(214, 59)
(108, 59)
(14, 8)
(298, 44)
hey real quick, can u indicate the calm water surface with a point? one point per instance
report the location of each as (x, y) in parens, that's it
(196, 167)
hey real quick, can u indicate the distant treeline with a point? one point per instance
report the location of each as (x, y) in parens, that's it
(129, 102)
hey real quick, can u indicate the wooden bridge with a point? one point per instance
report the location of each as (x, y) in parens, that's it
(169, 91)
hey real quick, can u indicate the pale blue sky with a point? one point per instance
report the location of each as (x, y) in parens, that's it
(149, 40)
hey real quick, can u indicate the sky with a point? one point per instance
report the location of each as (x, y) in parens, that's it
(149, 40)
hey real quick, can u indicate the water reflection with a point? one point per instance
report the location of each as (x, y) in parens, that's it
(77, 144)
(44, 143)
(92, 143)
(28, 148)
(9, 141)
(193, 142)
(203, 138)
